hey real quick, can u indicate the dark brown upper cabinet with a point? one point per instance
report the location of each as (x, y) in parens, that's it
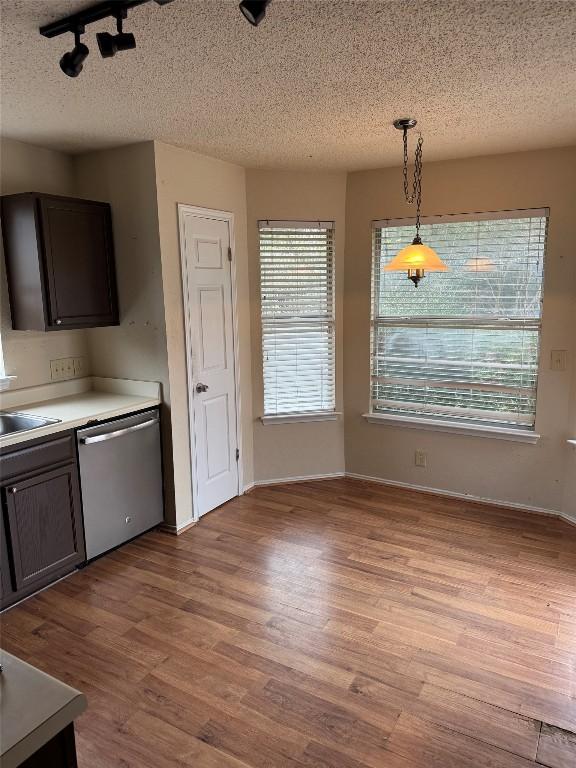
(59, 262)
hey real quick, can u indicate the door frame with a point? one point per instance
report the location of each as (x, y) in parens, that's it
(228, 217)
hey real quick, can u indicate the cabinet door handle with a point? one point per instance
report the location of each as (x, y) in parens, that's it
(58, 322)
(13, 489)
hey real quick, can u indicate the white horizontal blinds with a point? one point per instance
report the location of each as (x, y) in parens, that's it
(464, 344)
(297, 288)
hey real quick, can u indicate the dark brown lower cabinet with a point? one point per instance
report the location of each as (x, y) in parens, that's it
(6, 588)
(59, 752)
(43, 536)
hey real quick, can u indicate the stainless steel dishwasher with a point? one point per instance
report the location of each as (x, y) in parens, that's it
(121, 480)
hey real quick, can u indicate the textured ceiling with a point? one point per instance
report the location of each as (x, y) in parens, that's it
(317, 84)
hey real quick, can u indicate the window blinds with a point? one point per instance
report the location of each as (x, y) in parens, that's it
(464, 344)
(297, 300)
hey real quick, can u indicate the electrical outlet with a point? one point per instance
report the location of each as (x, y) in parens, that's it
(56, 370)
(420, 458)
(558, 360)
(63, 368)
(68, 367)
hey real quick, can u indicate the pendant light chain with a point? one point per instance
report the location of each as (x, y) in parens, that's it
(416, 258)
(416, 194)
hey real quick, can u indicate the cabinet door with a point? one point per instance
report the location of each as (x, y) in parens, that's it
(45, 527)
(6, 590)
(78, 263)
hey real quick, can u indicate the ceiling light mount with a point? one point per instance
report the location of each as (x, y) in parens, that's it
(405, 123)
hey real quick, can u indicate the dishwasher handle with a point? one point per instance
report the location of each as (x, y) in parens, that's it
(117, 433)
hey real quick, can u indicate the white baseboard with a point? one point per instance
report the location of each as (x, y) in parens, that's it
(180, 528)
(298, 479)
(176, 529)
(464, 496)
(421, 489)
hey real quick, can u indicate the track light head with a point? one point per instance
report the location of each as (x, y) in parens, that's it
(254, 10)
(72, 62)
(109, 45)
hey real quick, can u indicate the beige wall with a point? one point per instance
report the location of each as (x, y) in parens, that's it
(569, 507)
(27, 354)
(136, 349)
(186, 177)
(532, 475)
(144, 184)
(307, 448)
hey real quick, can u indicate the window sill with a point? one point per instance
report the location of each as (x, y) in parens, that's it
(292, 418)
(6, 381)
(469, 430)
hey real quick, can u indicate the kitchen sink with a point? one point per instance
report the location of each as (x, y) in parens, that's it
(20, 422)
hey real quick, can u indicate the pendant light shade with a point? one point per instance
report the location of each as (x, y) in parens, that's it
(415, 259)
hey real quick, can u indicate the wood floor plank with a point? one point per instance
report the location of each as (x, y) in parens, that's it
(557, 748)
(424, 743)
(332, 624)
(500, 727)
(319, 719)
(497, 689)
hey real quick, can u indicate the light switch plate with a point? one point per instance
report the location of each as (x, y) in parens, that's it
(558, 360)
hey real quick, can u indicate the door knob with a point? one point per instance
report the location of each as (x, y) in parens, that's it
(201, 388)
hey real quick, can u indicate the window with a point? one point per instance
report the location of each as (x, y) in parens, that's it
(297, 287)
(463, 346)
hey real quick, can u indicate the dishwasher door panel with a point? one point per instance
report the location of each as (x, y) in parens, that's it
(121, 480)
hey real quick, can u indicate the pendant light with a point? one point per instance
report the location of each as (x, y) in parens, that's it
(416, 258)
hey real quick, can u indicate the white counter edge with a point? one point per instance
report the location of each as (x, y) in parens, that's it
(138, 404)
(40, 735)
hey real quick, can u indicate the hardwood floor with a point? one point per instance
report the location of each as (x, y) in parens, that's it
(332, 624)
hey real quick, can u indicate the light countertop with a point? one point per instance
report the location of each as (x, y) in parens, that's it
(34, 707)
(77, 402)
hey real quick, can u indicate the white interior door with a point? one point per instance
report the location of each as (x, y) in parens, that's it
(208, 303)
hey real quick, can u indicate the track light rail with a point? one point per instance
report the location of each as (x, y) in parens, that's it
(104, 10)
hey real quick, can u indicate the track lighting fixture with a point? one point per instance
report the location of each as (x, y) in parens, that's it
(109, 45)
(72, 62)
(254, 10)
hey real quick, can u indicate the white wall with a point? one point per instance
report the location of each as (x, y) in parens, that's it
(27, 354)
(533, 475)
(186, 177)
(307, 448)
